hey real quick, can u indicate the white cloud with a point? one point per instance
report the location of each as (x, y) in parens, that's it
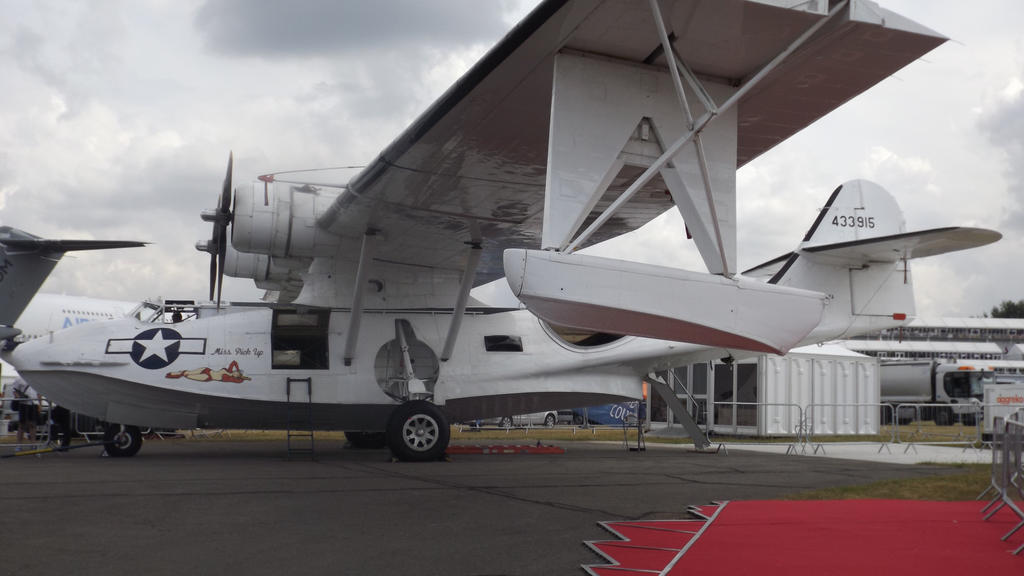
(116, 119)
(1013, 89)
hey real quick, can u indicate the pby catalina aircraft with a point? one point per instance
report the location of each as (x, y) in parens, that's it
(586, 121)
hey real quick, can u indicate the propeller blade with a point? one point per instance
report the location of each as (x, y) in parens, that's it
(222, 250)
(222, 226)
(213, 273)
(225, 193)
(220, 276)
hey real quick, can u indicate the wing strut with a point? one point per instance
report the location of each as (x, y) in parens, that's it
(365, 255)
(703, 218)
(472, 259)
(702, 161)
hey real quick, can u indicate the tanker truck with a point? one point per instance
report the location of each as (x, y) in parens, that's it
(960, 385)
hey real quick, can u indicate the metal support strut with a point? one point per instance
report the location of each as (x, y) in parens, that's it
(698, 126)
(472, 259)
(352, 336)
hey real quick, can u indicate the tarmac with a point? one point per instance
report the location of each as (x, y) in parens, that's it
(240, 507)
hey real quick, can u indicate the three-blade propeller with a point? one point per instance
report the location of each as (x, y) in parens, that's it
(217, 245)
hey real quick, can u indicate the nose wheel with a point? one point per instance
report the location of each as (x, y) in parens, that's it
(417, 432)
(122, 441)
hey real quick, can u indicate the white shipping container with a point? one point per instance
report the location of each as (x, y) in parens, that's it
(835, 389)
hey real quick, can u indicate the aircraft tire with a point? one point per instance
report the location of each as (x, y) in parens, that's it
(418, 432)
(122, 441)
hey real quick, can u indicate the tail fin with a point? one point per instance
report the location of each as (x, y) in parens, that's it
(857, 253)
(25, 263)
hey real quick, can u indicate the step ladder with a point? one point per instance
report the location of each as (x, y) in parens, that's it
(638, 423)
(299, 418)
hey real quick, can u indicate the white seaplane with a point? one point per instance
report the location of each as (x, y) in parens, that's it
(589, 119)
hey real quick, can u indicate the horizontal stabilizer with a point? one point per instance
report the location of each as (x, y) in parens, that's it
(906, 246)
(892, 248)
(44, 245)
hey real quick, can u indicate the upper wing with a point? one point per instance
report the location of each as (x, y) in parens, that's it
(471, 169)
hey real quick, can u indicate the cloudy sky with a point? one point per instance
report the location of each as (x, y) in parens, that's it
(116, 119)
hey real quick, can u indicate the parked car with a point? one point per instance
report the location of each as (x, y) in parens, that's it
(548, 418)
(567, 417)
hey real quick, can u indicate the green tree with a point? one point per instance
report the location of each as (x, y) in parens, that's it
(1008, 309)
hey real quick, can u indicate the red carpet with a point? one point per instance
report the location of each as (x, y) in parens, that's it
(841, 538)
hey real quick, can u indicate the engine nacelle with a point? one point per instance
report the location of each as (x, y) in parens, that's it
(279, 220)
(268, 273)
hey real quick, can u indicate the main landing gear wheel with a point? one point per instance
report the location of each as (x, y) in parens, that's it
(417, 432)
(122, 441)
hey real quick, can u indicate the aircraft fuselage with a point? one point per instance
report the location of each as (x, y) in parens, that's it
(231, 369)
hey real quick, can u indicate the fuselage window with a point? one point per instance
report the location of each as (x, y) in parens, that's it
(503, 343)
(300, 340)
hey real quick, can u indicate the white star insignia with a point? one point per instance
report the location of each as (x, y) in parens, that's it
(156, 346)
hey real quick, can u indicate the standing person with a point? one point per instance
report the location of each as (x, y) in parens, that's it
(28, 409)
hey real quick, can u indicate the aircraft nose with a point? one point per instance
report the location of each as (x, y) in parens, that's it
(25, 355)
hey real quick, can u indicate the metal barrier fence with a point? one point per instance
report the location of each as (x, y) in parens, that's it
(849, 419)
(762, 418)
(923, 424)
(902, 424)
(906, 424)
(1007, 470)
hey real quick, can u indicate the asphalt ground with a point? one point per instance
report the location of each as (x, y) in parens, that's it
(240, 507)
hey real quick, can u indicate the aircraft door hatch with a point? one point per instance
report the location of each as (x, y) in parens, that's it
(299, 340)
(406, 368)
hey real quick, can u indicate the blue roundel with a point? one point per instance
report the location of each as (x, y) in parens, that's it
(156, 348)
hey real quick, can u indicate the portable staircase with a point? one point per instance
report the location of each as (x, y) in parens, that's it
(299, 418)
